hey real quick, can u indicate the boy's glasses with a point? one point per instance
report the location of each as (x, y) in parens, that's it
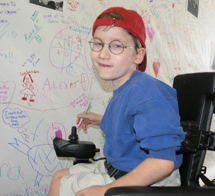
(115, 47)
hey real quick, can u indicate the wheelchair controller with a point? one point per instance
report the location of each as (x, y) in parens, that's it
(83, 151)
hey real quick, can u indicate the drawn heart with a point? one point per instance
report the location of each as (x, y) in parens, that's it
(58, 133)
(156, 67)
(151, 33)
(7, 90)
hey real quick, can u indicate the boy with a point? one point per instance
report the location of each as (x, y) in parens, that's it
(141, 122)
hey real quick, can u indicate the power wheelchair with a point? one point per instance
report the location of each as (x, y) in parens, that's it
(196, 99)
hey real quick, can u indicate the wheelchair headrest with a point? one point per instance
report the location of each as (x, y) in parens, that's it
(192, 90)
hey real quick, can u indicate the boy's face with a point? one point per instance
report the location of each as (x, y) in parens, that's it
(117, 68)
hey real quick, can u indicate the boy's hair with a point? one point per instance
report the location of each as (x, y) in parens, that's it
(119, 16)
(129, 20)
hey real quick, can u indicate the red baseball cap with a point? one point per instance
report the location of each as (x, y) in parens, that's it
(132, 22)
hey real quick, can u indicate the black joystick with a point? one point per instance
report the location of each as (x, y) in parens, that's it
(73, 137)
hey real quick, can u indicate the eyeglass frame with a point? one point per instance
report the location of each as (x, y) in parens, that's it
(109, 46)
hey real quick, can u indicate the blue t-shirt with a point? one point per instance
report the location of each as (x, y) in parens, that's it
(142, 121)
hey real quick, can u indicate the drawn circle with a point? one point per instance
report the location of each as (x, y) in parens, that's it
(65, 47)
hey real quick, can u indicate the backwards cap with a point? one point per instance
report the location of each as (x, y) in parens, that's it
(132, 22)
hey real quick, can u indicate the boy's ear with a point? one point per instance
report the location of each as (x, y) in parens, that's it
(140, 55)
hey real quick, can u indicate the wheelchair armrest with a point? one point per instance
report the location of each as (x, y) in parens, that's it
(160, 191)
(196, 139)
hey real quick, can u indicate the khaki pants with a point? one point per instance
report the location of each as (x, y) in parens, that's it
(86, 175)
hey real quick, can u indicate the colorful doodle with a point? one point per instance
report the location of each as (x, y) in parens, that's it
(28, 86)
(10, 172)
(41, 157)
(15, 118)
(65, 48)
(7, 90)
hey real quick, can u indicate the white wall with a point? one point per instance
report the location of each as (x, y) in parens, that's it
(44, 53)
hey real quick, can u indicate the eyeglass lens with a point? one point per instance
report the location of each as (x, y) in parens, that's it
(116, 47)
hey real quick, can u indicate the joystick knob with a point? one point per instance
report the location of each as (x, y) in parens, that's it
(73, 136)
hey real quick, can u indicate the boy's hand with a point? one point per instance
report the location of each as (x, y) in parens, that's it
(89, 118)
(93, 191)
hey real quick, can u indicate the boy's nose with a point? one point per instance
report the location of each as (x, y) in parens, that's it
(105, 52)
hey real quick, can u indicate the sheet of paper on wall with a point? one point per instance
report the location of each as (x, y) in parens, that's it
(51, 4)
(193, 7)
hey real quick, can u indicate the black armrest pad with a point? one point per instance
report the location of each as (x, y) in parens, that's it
(160, 191)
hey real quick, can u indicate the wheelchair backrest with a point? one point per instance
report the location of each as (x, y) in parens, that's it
(196, 99)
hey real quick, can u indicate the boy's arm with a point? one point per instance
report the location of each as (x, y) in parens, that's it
(89, 118)
(148, 172)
